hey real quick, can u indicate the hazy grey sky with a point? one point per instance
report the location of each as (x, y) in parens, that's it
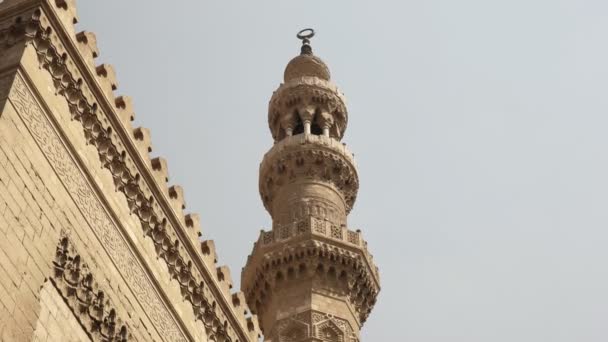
(479, 128)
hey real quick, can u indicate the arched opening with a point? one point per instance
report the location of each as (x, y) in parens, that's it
(299, 127)
(316, 129)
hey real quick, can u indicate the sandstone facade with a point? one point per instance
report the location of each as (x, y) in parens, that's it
(96, 245)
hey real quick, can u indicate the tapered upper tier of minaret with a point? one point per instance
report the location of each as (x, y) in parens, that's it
(307, 101)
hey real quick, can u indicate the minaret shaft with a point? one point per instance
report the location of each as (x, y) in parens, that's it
(310, 278)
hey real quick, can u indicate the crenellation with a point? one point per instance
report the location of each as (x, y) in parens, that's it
(176, 195)
(107, 79)
(143, 142)
(87, 44)
(73, 169)
(67, 14)
(239, 303)
(161, 172)
(126, 113)
(225, 279)
(193, 224)
(98, 133)
(208, 253)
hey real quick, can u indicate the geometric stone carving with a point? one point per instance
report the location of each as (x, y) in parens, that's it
(329, 331)
(293, 330)
(313, 326)
(344, 272)
(77, 186)
(194, 280)
(312, 157)
(88, 302)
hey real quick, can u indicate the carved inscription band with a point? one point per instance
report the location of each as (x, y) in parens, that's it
(92, 210)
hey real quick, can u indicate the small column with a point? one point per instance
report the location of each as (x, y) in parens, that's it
(307, 114)
(326, 120)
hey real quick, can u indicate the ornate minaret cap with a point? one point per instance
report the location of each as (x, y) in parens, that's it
(307, 102)
(306, 64)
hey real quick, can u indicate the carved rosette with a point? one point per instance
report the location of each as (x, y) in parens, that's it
(307, 99)
(309, 158)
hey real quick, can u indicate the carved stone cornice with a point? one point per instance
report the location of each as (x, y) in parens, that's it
(88, 302)
(310, 98)
(319, 229)
(311, 157)
(345, 271)
(147, 198)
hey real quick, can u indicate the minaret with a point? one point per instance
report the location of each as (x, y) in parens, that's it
(310, 278)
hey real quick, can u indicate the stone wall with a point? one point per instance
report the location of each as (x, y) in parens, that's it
(94, 244)
(39, 181)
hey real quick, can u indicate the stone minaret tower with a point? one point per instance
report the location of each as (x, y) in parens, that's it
(310, 278)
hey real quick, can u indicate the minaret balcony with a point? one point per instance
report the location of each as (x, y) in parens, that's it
(311, 250)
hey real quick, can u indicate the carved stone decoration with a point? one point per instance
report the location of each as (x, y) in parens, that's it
(330, 328)
(313, 326)
(343, 272)
(314, 158)
(311, 99)
(308, 182)
(329, 331)
(89, 304)
(292, 330)
(91, 208)
(209, 306)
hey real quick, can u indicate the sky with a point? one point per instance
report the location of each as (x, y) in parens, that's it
(479, 129)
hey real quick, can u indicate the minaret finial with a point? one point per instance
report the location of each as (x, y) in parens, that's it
(305, 36)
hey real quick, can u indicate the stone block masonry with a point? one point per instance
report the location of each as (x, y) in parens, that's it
(72, 169)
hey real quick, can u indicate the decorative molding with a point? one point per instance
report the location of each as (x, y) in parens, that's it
(89, 304)
(197, 283)
(317, 207)
(313, 324)
(344, 272)
(92, 210)
(304, 99)
(310, 226)
(296, 328)
(318, 158)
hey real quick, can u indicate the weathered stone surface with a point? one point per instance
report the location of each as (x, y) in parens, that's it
(310, 278)
(94, 244)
